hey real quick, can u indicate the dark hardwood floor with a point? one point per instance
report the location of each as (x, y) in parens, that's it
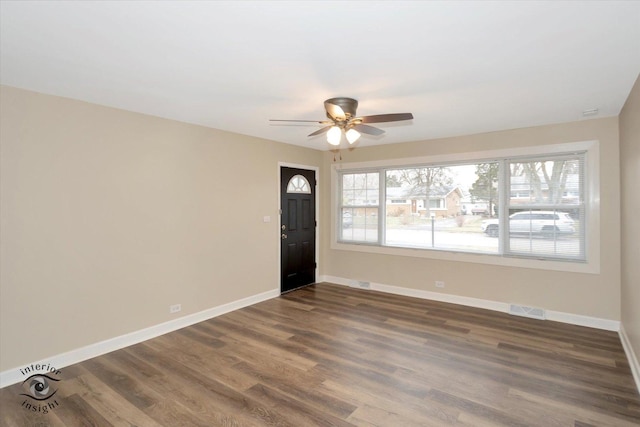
(329, 355)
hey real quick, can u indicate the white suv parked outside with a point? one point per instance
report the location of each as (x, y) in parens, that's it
(544, 223)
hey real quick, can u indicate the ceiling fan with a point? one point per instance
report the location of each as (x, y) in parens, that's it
(341, 113)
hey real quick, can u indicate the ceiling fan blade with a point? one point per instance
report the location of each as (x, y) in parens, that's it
(369, 130)
(321, 131)
(335, 111)
(322, 122)
(380, 118)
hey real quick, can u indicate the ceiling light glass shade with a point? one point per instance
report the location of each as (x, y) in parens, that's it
(334, 135)
(352, 135)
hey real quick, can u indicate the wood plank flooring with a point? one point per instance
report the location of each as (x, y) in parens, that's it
(328, 355)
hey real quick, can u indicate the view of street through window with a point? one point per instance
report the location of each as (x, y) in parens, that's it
(457, 207)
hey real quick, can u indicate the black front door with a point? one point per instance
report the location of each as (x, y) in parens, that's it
(298, 228)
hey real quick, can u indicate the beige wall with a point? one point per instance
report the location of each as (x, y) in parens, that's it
(596, 295)
(108, 217)
(630, 195)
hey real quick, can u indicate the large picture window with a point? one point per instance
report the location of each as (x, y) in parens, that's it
(530, 207)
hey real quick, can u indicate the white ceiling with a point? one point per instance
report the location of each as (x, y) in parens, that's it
(459, 67)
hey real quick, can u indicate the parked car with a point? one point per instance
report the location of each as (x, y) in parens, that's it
(476, 209)
(480, 210)
(543, 223)
(347, 219)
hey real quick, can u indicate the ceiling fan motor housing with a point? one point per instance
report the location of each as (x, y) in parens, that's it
(348, 105)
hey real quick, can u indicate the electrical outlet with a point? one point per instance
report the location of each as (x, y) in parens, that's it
(439, 284)
(174, 308)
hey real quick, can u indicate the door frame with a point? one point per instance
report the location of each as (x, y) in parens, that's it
(316, 171)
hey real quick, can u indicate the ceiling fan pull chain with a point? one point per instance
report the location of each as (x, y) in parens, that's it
(339, 154)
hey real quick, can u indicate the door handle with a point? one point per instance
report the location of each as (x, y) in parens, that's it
(284, 236)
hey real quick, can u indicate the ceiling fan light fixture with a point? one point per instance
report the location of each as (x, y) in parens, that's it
(352, 135)
(334, 135)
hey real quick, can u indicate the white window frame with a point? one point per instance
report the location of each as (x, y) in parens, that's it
(591, 202)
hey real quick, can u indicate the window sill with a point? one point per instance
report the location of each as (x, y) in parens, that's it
(477, 258)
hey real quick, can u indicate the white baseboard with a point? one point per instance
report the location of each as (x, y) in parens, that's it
(631, 356)
(417, 293)
(580, 320)
(558, 316)
(13, 376)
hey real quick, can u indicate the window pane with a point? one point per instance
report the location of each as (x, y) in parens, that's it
(360, 224)
(441, 207)
(551, 182)
(546, 208)
(298, 184)
(358, 214)
(554, 233)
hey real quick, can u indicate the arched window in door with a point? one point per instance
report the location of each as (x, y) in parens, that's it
(298, 184)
